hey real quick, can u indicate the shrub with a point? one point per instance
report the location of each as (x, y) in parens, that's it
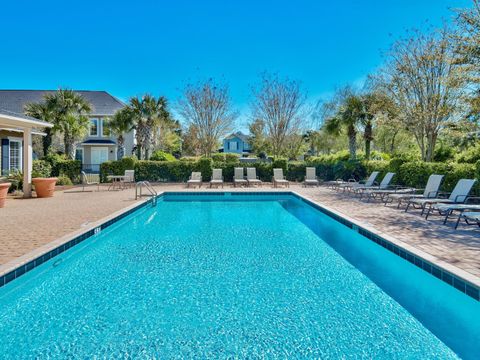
(443, 153)
(229, 157)
(204, 165)
(162, 156)
(64, 166)
(280, 163)
(379, 165)
(470, 156)
(296, 171)
(64, 180)
(41, 168)
(117, 167)
(351, 169)
(161, 171)
(218, 157)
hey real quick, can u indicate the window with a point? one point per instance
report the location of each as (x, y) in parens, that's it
(16, 155)
(233, 145)
(79, 154)
(105, 128)
(94, 127)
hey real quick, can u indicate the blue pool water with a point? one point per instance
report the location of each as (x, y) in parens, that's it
(217, 279)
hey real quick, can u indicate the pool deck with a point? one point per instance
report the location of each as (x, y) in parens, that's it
(28, 225)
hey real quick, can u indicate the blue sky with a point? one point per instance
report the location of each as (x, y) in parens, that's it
(132, 47)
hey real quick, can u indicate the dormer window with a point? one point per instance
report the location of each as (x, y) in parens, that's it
(94, 127)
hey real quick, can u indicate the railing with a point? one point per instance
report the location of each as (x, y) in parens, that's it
(138, 191)
(91, 168)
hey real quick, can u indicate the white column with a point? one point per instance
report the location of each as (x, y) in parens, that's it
(27, 162)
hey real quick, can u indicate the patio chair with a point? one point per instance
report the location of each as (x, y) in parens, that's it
(195, 179)
(430, 191)
(352, 184)
(129, 179)
(384, 185)
(310, 177)
(458, 196)
(239, 177)
(252, 177)
(470, 204)
(217, 178)
(279, 179)
(89, 180)
(470, 217)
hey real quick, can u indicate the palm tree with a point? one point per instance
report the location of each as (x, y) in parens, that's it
(146, 114)
(69, 111)
(43, 112)
(349, 116)
(119, 124)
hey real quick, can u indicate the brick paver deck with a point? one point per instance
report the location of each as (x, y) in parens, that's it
(28, 224)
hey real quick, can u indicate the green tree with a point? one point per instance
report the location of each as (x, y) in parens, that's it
(120, 124)
(41, 111)
(349, 115)
(69, 116)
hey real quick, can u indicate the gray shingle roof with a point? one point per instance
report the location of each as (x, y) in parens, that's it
(101, 101)
(239, 135)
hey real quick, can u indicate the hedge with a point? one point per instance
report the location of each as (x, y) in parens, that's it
(409, 173)
(63, 166)
(116, 167)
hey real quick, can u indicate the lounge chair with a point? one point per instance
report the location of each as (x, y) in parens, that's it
(129, 178)
(458, 196)
(311, 177)
(252, 177)
(470, 217)
(279, 179)
(470, 204)
(351, 185)
(239, 177)
(384, 185)
(217, 178)
(195, 179)
(89, 180)
(430, 191)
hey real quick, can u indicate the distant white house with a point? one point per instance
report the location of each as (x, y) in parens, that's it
(97, 147)
(236, 143)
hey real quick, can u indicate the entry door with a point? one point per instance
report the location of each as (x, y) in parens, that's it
(99, 155)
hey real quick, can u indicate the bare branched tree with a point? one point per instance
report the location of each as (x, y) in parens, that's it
(280, 105)
(422, 78)
(207, 107)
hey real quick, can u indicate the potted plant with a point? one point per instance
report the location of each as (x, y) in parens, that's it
(4, 186)
(44, 187)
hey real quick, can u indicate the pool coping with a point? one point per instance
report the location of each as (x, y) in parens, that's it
(460, 279)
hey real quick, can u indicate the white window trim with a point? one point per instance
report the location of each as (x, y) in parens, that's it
(20, 150)
(98, 127)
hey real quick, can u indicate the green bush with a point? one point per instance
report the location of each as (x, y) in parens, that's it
(351, 169)
(64, 166)
(379, 165)
(470, 156)
(218, 157)
(64, 180)
(296, 171)
(204, 165)
(162, 171)
(280, 163)
(41, 168)
(162, 156)
(117, 167)
(231, 158)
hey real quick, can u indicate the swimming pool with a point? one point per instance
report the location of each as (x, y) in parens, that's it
(246, 275)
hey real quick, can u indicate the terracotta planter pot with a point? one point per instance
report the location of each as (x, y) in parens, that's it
(3, 193)
(44, 187)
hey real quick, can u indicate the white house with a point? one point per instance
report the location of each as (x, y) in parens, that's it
(97, 147)
(16, 143)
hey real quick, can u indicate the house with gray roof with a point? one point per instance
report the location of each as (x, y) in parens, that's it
(98, 146)
(236, 143)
